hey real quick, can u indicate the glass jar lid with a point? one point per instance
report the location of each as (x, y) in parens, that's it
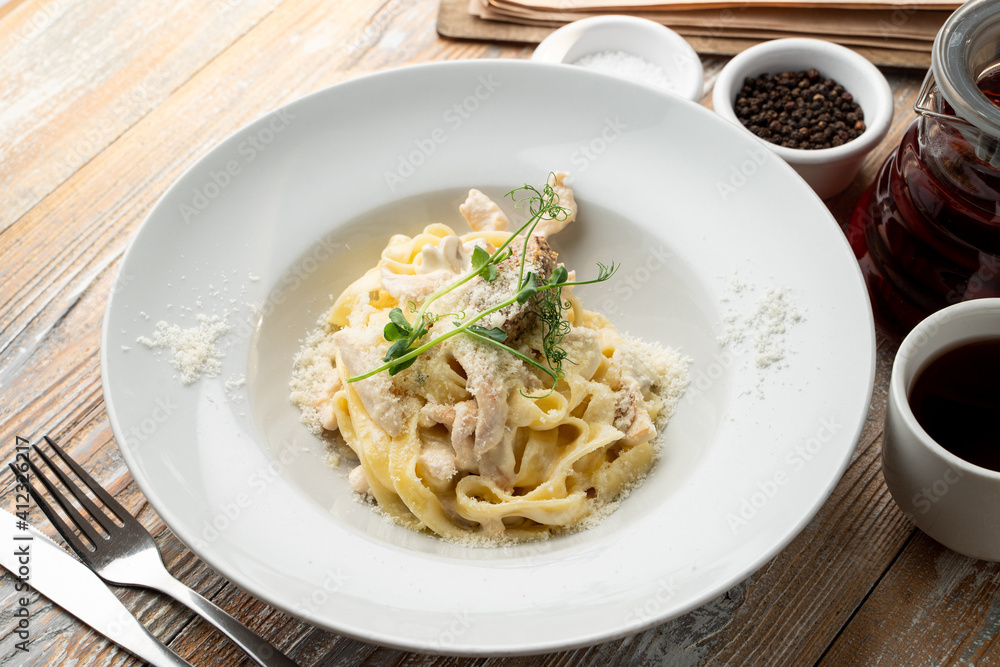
(966, 50)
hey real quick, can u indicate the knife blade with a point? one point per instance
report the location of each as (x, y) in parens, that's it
(49, 569)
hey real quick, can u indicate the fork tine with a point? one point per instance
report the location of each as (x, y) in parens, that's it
(92, 509)
(116, 508)
(82, 550)
(82, 524)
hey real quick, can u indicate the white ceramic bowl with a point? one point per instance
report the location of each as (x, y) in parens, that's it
(647, 39)
(954, 501)
(827, 170)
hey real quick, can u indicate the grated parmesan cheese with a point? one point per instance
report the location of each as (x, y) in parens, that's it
(768, 323)
(313, 372)
(192, 351)
(233, 385)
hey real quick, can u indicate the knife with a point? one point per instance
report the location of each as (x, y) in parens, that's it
(38, 562)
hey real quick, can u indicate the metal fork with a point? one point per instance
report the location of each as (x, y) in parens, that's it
(127, 555)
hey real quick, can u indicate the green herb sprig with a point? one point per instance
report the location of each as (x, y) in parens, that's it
(546, 299)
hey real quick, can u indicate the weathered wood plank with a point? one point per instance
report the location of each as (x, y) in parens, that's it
(933, 608)
(7, 6)
(75, 74)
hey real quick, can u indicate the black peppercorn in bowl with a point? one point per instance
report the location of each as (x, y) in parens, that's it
(817, 105)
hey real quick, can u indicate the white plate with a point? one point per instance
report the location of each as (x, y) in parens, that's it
(303, 200)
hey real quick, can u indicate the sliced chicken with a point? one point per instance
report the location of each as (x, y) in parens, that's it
(491, 399)
(498, 464)
(486, 385)
(483, 214)
(463, 435)
(358, 480)
(359, 355)
(327, 417)
(491, 527)
(547, 227)
(406, 286)
(438, 460)
(436, 413)
(631, 418)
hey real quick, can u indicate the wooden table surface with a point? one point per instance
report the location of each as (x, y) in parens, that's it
(104, 103)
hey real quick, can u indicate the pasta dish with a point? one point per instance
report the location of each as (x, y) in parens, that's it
(482, 402)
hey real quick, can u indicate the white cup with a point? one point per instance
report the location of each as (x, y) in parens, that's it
(827, 170)
(647, 39)
(955, 502)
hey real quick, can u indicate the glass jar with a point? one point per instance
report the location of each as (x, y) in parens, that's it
(927, 231)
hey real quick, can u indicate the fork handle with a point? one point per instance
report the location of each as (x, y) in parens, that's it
(258, 648)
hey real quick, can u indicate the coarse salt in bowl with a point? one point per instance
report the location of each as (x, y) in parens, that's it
(827, 170)
(630, 48)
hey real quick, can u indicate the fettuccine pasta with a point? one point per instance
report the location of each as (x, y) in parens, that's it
(471, 441)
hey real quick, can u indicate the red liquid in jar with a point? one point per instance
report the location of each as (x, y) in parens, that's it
(927, 231)
(956, 399)
(991, 88)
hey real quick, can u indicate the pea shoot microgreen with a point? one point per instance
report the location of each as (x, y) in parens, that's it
(544, 295)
